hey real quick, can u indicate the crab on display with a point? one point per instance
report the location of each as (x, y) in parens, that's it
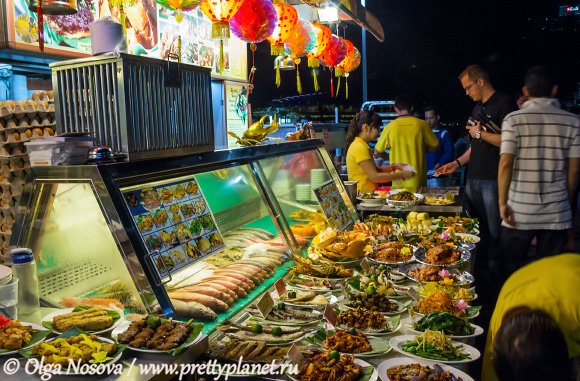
(257, 132)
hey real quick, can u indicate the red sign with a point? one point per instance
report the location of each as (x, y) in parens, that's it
(280, 287)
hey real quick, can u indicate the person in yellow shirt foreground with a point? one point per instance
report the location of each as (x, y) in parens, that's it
(408, 139)
(360, 164)
(537, 315)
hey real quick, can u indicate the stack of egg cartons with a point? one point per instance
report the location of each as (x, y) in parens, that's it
(19, 122)
(317, 178)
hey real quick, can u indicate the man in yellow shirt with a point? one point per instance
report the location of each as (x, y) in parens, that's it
(551, 285)
(408, 139)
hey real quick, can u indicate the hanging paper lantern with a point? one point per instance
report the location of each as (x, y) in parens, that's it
(323, 35)
(349, 64)
(339, 72)
(287, 17)
(300, 41)
(179, 6)
(220, 12)
(254, 22)
(333, 55)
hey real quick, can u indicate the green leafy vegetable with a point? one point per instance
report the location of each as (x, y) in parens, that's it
(446, 322)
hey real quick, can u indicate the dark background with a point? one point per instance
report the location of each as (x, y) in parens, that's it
(428, 43)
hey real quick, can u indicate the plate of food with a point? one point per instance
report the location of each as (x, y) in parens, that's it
(376, 302)
(373, 285)
(442, 255)
(16, 335)
(434, 345)
(317, 285)
(392, 253)
(369, 322)
(422, 274)
(449, 324)
(87, 319)
(282, 314)
(440, 200)
(470, 238)
(407, 369)
(255, 352)
(404, 199)
(308, 299)
(157, 335)
(271, 333)
(441, 301)
(68, 345)
(350, 342)
(456, 292)
(370, 199)
(344, 367)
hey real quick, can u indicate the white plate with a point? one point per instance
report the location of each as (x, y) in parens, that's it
(402, 307)
(397, 341)
(370, 333)
(372, 201)
(364, 364)
(123, 327)
(71, 372)
(475, 238)
(394, 362)
(332, 300)
(69, 310)
(35, 327)
(409, 325)
(288, 324)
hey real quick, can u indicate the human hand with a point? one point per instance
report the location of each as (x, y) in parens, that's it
(447, 168)
(397, 166)
(507, 214)
(473, 129)
(406, 175)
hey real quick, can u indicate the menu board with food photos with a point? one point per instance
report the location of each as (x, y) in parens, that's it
(175, 219)
(333, 205)
(152, 31)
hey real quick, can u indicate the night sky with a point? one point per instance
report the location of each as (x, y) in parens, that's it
(428, 43)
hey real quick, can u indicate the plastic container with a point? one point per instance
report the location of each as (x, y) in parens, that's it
(24, 268)
(9, 299)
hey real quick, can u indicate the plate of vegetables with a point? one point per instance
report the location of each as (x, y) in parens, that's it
(434, 345)
(451, 325)
(405, 368)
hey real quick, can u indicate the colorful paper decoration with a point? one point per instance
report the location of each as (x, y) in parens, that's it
(339, 72)
(350, 63)
(323, 35)
(300, 41)
(287, 17)
(220, 12)
(254, 22)
(179, 6)
(332, 56)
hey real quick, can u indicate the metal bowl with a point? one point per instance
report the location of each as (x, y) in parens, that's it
(465, 278)
(420, 257)
(395, 264)
(55, 7)
(405, 204)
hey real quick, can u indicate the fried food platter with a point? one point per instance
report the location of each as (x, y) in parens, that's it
(47, 321)
(420, 257)
(38, 333)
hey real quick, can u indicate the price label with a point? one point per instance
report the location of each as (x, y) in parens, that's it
(414, 294)
(365, 265)
(280, 287)
(296, 356)
(330, 315)
(265, 304)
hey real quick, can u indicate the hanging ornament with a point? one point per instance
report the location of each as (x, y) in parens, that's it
(333, 55)
(351, 65)
(323, 35)
(341, 68)
(220, 12)
(179, 6)
(287, 16)
(299, 42)
(254, 22)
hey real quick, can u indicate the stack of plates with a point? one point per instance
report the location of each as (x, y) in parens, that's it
(317, 178)
(303, 192)
(5, 275)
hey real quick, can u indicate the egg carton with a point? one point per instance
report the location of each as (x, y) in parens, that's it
(7, 218)
(14, 164)
(14, 177)
(10, 204)
(46, 96)
(12, 149)
(26, 122)
(22, 109)
(11, 190)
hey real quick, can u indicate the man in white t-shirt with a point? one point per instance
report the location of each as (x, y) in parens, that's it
(538, 173)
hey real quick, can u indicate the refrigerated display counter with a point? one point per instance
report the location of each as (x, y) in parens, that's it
(197, 236)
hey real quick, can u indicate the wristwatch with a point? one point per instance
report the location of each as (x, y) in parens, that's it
(478, 135)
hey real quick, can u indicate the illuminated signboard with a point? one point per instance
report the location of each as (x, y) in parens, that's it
(151, 31)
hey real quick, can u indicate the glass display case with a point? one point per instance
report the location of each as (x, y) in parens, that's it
(198, 236)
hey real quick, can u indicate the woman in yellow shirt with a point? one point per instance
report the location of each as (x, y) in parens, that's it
(360, 164)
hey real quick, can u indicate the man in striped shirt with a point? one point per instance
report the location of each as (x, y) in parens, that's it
(538, 173)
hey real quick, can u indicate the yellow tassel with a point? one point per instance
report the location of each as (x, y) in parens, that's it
(339, 72)
(220, 30)
(316, 87)
(123, 22)
(278, 81)
(277, 49)
(221, 56)
(346, 87)
(337, 88)
(313, 62)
